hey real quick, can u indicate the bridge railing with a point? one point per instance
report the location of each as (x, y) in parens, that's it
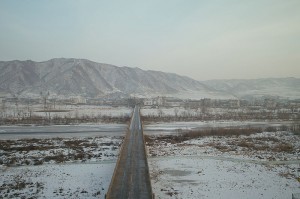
(145, 150)
(119, 158)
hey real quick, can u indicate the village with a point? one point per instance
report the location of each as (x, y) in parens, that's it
(24, 110)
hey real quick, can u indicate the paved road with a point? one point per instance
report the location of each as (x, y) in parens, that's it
(131, 177)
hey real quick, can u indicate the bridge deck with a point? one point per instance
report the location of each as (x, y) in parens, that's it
(131, 176)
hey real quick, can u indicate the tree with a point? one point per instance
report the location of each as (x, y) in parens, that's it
(160, 112)
(203, 107)
(3, 109)
(176, 110)
(45, 98)
(29, 109)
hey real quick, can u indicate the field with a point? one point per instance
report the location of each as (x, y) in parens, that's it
(187, 159)
(68, 114)
(224, 164)
(80, 180)
(57, 167)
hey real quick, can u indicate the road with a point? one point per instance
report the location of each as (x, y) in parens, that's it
(131, 177)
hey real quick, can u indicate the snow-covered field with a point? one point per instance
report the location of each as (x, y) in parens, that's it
(90, 111)
(78, 161)
(175, 127)
(70, 111)
(74, 167)
(197, 177)
(181, 111)
(263, 165)
(58, 150)
(79, 180)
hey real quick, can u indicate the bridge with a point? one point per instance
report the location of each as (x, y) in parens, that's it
(131, 176)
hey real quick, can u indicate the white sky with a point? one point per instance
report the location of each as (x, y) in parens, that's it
(212, 39)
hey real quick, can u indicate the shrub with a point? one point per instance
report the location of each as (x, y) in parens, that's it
(283, 147)
(271, 129)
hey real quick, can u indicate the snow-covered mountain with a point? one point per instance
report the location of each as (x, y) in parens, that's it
(80, 77)
(251, 88)
(74, 77)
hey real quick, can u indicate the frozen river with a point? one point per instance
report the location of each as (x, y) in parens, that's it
(20, 132)
(90, 130)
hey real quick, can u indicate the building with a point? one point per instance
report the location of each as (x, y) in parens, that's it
(79, 100)
(154, 102)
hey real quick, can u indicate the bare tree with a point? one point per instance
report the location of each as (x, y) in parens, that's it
(17, 112)
(44, 99)
(203, 107)
(176, 110)
(160, 112)
(54, 102)
(3, 109)
(29, 109)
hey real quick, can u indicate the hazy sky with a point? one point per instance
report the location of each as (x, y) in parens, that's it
(212, 39)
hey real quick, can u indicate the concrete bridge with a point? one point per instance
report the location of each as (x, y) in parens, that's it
(131, 176)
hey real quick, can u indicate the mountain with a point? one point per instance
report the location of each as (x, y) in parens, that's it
(80, 77)
(251, 88)
(63, 77)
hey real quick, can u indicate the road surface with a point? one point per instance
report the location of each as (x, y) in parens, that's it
(131, 177)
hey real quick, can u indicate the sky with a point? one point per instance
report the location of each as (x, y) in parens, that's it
(211, 39)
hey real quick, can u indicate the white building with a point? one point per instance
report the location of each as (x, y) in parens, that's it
(157, 101)
(79, 100)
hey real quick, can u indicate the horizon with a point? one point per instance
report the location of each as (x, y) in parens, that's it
(199, 39)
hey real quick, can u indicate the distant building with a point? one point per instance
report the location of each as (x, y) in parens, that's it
(148, 102)
(173, 102)
(79, 100)
(154, 102)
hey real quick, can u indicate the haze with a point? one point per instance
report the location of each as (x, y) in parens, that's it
(199, 39)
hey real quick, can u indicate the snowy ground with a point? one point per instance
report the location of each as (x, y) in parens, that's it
(181, 111)
(271, 146)
(70, 111)
(88, 110)
(77, 167)
(196, 177)
(80, 163)
(263, 165)
(58, 150)
(175, 127)
(82, 180)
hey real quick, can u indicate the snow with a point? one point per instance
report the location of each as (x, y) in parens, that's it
(175, 127)
(68, 110)
(219, 167)
(57, 181)
(58, 150)
(90, 110)
(206, 167)
(197, 177)
(77, 167)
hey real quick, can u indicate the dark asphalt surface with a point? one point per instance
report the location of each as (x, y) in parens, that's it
(131, 177)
